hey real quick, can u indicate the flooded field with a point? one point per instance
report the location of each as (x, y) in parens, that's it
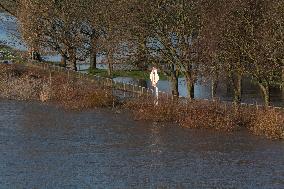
(42, 146)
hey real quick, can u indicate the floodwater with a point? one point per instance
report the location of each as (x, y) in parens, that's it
(9, 33)
(42, 146)
(11, 36)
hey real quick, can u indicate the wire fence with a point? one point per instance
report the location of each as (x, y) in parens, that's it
(129, 90)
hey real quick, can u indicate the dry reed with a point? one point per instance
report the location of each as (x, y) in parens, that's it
(210, 115)
(33, 83)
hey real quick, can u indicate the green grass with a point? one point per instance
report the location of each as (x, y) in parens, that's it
(52, 63)
(136, 74)
(10, 54)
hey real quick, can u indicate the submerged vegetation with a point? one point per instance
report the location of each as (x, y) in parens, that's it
(216, 115)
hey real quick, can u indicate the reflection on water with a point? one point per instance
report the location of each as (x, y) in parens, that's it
(46, 147)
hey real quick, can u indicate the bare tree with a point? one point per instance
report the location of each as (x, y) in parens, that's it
(10, 6)
(264, 49)
(246, 39)
(54, 26)
(168, 30)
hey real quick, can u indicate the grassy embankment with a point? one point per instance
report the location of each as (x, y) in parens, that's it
(27, 82)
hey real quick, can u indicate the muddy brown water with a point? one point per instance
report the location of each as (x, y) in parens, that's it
(42, 146)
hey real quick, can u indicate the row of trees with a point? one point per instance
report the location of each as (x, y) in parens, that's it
(196, 38)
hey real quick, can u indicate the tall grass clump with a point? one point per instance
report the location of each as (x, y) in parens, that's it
(79, 93)
(268, 122)
(146, 108)
(209, 115)
(19, 83)
(195, 114)
(215, 115)
(22, 82)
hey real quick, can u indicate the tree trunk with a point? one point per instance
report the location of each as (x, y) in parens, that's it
(63, 61)
(73, 60)
(282, 88)
(214, 85)
(265, 92)
(282, 73)
(174, 85)
(74, 64)
(229, 85)
(190, 88)
(110, 63)
(93, 59)
(237, 85)
(282, 80)
(142, 56)
(174, 81)
(36, 56)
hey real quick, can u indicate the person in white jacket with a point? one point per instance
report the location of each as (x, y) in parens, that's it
(154, 77)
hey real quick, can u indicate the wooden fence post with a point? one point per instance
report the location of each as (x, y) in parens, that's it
(50, 79)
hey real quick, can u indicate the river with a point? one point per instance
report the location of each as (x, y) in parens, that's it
(42, 146)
